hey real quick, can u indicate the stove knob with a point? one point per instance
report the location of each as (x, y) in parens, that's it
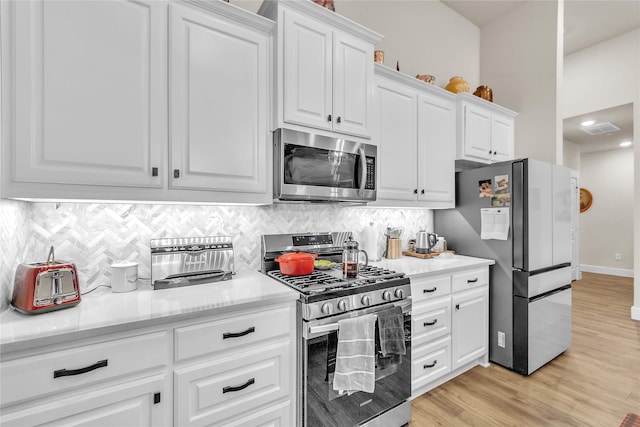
(326, 308)
(342, 305)
(365, 300)
(386, 295)
(399, 293)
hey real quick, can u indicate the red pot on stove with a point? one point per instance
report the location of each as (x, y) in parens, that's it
(296, 263)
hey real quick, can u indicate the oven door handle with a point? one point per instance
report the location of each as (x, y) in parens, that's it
(320, 329)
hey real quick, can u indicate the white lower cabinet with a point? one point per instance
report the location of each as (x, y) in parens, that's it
(249, 369)
(235, 369)
(450, 323)
(119, 380)
(135, 403)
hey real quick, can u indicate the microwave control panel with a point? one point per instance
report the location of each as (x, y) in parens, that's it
(370, 184)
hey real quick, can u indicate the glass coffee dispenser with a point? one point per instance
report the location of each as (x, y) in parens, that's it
(350, 258)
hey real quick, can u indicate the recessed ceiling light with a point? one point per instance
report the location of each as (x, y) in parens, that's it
(625, 144)
(587, 123)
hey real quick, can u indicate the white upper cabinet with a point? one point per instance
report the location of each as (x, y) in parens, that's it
(415, 133)
(436, 150)
(396, 118)
(86, 88)
(89, 101)
(485, 131)
(325, 69)
(219, 104)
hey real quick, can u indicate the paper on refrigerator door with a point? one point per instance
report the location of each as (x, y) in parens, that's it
(494, 223)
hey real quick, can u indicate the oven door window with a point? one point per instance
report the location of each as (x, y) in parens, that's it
(320, 167)
(325, 407)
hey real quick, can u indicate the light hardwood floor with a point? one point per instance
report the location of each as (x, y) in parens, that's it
(594, 383)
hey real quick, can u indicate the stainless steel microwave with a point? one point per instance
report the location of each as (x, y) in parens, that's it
(310, 167)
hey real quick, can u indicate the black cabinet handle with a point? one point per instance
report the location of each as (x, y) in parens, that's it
(339, 120)
(228, 389)
(435, 362)
(457, 306)
(415, 191)
(71, 372)
(422, 192)
(238, 334)
(431, 323)
(329, 118)
(424, 291)
(472, 280)
(176, 173)
(154, 171)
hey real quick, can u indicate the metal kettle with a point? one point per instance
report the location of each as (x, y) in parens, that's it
(425, 242)
(350, 257)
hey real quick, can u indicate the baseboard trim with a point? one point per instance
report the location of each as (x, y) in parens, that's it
(635, 313)
(621, 272)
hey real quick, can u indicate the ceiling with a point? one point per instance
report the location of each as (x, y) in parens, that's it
(586, 22)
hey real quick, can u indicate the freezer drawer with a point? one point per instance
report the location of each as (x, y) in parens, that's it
(530, 285)
(543, 328)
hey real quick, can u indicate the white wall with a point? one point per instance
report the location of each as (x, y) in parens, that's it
(425, 36)
(571, 155)
(605, 229)
(603, 76)
(519, 61)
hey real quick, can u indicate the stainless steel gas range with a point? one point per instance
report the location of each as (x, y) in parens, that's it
(326, 298)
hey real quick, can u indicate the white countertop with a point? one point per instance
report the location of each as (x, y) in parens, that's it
(414, 267)
(105, 309)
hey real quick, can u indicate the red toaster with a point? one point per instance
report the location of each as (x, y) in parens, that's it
(45, 286)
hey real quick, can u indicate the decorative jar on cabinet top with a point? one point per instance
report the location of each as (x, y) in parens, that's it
(457, 85)
(484, 92)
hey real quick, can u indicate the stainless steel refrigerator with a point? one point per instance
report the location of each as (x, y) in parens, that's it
(528, 204)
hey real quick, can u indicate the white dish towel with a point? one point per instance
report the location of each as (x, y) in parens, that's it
(355, 356)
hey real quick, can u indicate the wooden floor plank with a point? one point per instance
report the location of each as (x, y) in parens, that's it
(594, 383)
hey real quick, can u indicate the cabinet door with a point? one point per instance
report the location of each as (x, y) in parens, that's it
(352, 80)
(396, 135)
(469, 325)
(502, 135)
(219, 103)
(477, 132)
(307, 71)
(436, 150)
(144, 402)
(90, 100)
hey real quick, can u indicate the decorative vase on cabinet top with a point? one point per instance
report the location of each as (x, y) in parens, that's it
(484, 92)
(457, 85)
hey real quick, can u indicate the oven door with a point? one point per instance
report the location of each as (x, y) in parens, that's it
(321, 405)
(320, 168)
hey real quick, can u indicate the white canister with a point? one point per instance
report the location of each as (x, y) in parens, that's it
(124, 276)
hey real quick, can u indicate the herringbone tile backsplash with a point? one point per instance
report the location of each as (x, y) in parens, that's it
(95, 235)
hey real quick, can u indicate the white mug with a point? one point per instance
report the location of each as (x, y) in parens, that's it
(124, 276)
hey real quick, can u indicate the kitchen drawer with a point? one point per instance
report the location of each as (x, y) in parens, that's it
(470, 279)
(430, 320)
(207, 393)
(430, 362)
(63, 370)
(424, 289)
(231, 332)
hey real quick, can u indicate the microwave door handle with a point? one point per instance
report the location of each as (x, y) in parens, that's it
(363, 171)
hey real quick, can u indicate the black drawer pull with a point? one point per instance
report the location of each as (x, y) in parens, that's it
(435, 362)
(71, 372)
(472, 280)
(435, 288)
(228, 389)
(431, 323)
(238, 334)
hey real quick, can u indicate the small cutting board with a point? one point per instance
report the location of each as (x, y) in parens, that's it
(425, 256)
